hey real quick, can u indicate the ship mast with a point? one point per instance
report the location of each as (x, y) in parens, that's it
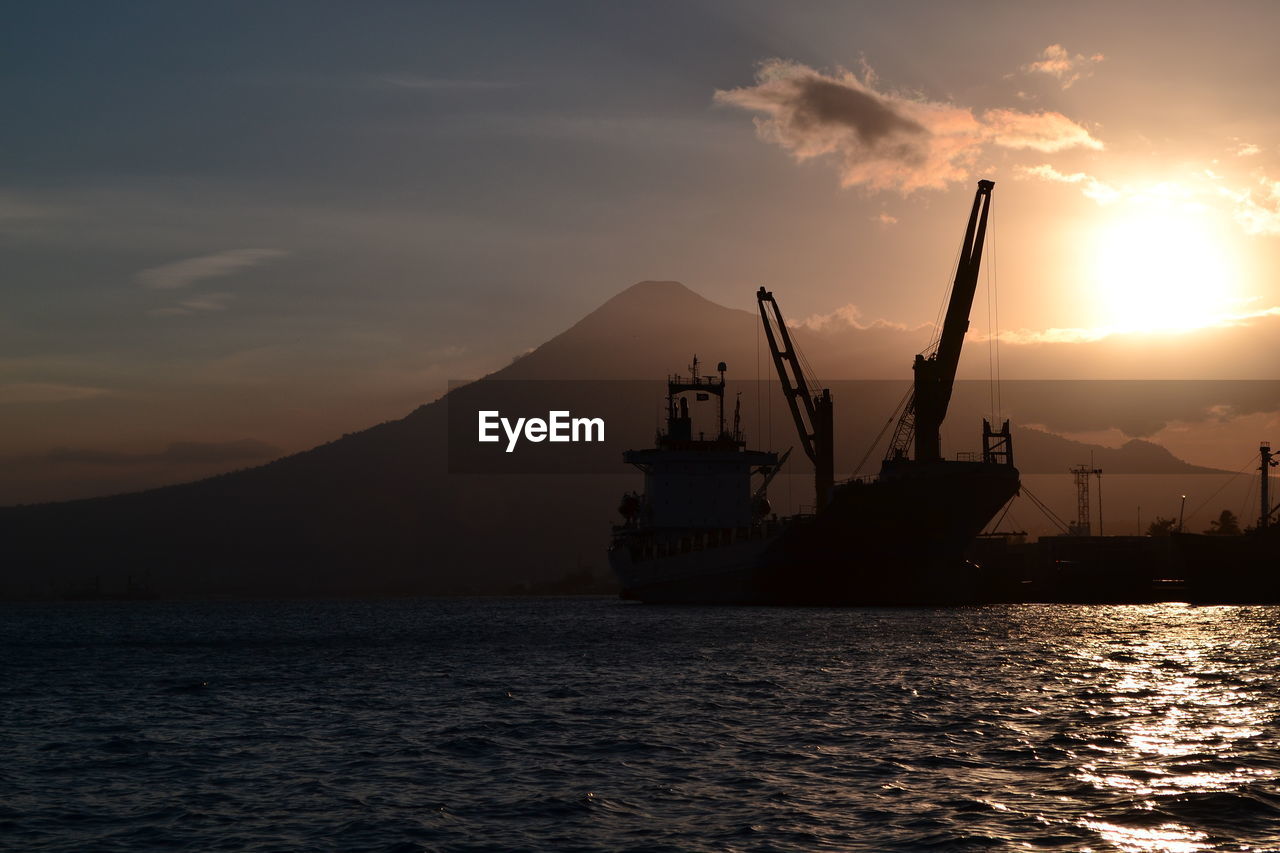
(812, 414)
(935, 374)
(1264, 451)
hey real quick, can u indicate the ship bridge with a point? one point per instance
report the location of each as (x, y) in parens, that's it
(698, 482)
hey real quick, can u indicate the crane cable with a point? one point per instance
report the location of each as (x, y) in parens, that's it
(946, 298)
(1228, 482)
(893, 419)
(759, 407)
(1048, 513)
(995, 284)
(1008, 505)
(993, 320)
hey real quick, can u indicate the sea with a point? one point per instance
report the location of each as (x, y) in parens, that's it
(585, 724)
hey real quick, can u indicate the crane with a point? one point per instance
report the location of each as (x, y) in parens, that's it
(760, 498)
(935, 373)
(811, 412)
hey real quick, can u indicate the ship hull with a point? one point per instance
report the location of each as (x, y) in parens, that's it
(723, 575)
(898, 540)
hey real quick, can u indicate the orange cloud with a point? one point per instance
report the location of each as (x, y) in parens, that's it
(887, 140)
(1090, 186)
(1047, 132)
(1056, 61)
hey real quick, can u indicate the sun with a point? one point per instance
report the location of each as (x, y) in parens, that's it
(1166, 269)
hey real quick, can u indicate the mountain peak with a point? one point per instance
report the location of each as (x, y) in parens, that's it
(646, 331)
(656, 299)
(670, 293)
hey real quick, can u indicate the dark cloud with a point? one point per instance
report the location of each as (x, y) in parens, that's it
(821, 101)
(884, 140)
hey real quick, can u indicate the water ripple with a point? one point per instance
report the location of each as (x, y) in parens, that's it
(587, 724)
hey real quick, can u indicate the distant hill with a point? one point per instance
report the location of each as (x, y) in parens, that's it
(380, 512)
(1043, 452)
(654, 327)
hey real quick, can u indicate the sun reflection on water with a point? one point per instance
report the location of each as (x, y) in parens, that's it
(1168, 711)
(1169, 838)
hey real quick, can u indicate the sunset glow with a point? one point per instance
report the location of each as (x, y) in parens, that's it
(729, 424)
(299, 234)
(1161, 270)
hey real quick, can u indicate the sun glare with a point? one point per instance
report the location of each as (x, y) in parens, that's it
(1162, 271)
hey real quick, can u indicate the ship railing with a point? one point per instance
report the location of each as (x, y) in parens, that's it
(648, 547)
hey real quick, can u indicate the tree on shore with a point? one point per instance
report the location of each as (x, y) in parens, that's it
(1162, 526)
(1225, 524)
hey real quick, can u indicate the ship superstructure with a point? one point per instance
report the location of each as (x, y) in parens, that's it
(698, 520)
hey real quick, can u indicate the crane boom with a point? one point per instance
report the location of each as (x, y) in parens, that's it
(812, 415)
(767, 476)
(935, 374)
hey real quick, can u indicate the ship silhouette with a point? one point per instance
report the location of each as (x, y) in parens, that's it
(699, 532)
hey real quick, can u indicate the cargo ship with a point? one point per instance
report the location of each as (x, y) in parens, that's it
(702, 530)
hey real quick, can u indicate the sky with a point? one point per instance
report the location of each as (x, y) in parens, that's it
(232, 230)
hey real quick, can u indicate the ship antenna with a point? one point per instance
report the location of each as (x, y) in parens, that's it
(721, 367)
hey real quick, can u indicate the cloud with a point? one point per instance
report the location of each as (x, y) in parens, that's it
(845, 317)
(1043, 131)
(1078, 336)
(885, 218)
(887, 140)
(1244, 319)
(1247, 149)
(1059, 336)
(1163, 193)
(1258, 212)
(46, 392)
(195, 305)
(1051, 336)
(177, 453)
(1057, 62)
(184, 273)
(1089, 185)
